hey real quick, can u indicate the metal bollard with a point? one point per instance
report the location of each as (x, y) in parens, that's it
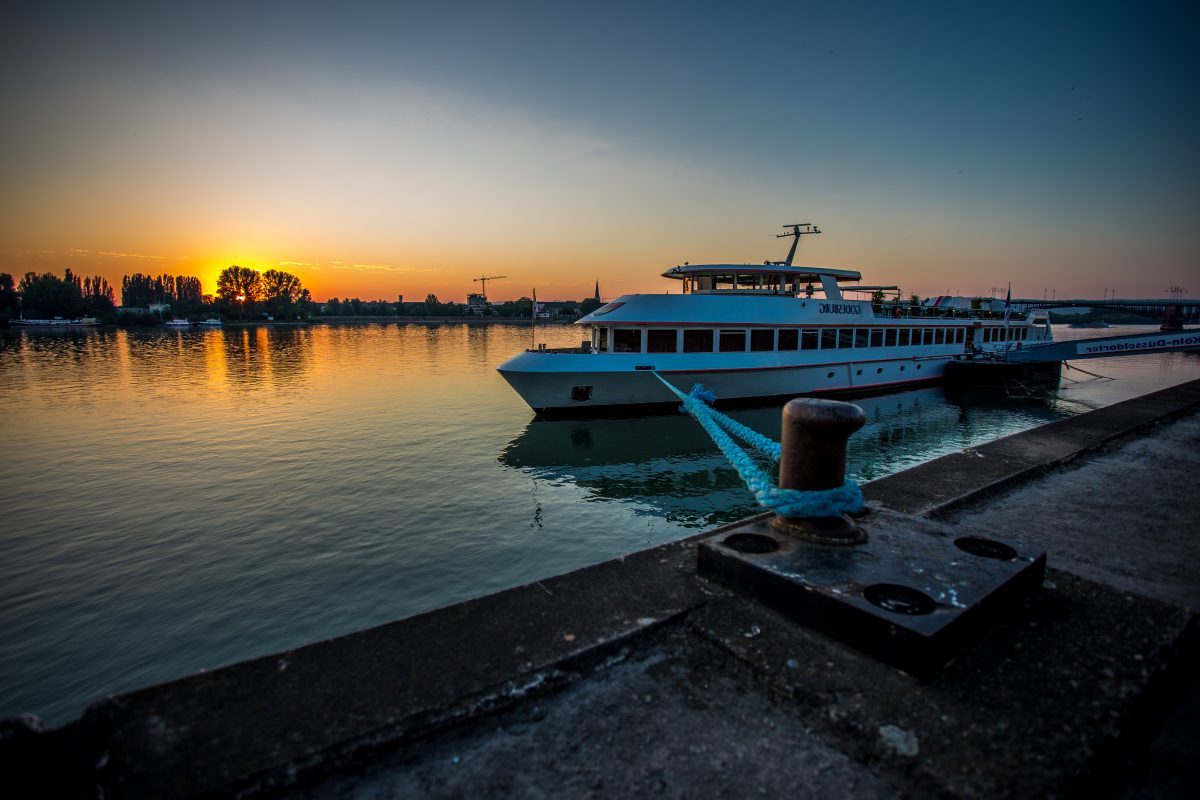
(813, 457)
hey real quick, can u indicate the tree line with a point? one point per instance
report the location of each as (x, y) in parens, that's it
(47, 295)
(242, 293)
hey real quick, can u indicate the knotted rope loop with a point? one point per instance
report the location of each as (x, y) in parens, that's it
(785, 502)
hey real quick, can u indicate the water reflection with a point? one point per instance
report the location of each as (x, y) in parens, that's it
(668, 462)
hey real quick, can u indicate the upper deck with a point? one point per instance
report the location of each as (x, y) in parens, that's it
(761, 279)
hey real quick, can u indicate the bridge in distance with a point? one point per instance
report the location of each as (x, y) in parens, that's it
(1172, 312)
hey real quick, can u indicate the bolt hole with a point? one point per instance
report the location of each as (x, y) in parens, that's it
(751, 543)
(899, 599)
(986, 548)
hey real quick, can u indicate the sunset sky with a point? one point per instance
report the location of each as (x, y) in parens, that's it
(377, 149)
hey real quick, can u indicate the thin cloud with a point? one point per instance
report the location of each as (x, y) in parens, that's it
(379, 267)
(384, 268)
(78, 251)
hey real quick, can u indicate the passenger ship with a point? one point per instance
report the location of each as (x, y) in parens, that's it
(762, 331)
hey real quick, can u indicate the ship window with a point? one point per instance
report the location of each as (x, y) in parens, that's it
(732, 342)
(723, 281)
(889, 337)
(862, 337)
(627, 340)
(929, 336)
(829, 375)
(789, 338)
(697, 340)
(829, 339)
(939, 337)
(878, 370)
(602, 340)
(662, 340)
(858, 372)
(846, 337)
(877, 338)
(902, 337)
(810, 339)
(1024, 333)
(581, 393)
(762, 339)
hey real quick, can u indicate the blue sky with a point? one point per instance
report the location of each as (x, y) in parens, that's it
(379, 149)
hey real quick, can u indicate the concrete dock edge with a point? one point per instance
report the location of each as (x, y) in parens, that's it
(1066, 697)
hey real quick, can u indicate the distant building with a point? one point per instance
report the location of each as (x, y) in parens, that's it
(477, 303)
(154, 308)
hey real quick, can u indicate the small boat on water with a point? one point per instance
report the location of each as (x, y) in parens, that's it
(756, 331)
(209, 323)
(177, 324)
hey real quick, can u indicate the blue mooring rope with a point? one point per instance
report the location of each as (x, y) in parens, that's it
(786, 502)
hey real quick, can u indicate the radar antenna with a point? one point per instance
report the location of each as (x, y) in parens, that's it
(797, 230)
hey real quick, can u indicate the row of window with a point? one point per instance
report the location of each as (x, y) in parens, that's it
(706, 340)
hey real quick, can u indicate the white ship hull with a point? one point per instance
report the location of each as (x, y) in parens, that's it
(585, 383)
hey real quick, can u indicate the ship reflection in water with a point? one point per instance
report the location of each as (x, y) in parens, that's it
(667, 463)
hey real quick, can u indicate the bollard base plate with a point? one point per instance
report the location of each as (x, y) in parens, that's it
(912, 595)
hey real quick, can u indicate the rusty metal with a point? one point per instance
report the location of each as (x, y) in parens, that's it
(812, 458)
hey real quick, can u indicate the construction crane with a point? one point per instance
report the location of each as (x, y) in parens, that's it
(485, 278)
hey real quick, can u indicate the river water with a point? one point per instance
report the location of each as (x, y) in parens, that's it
(177, 501)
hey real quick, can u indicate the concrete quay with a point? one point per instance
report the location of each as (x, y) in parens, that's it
(638, 677)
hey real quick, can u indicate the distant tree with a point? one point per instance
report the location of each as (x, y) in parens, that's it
(180, 292)
(521, 307)
(97, 296)
(305, 304)
(188, 291)
(281, 292)
(235, 282)
(589, 305)
(877, 296)
(47, 295)
(10, 303)
(333, 306)
(136, 290)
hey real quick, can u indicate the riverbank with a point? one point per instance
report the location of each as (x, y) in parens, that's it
(637, 676)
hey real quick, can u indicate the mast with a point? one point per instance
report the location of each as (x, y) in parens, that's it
(796, 233)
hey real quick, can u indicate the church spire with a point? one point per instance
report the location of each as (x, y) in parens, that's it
(597, 297)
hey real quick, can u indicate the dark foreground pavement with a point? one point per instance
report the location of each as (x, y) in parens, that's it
(637, 677)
